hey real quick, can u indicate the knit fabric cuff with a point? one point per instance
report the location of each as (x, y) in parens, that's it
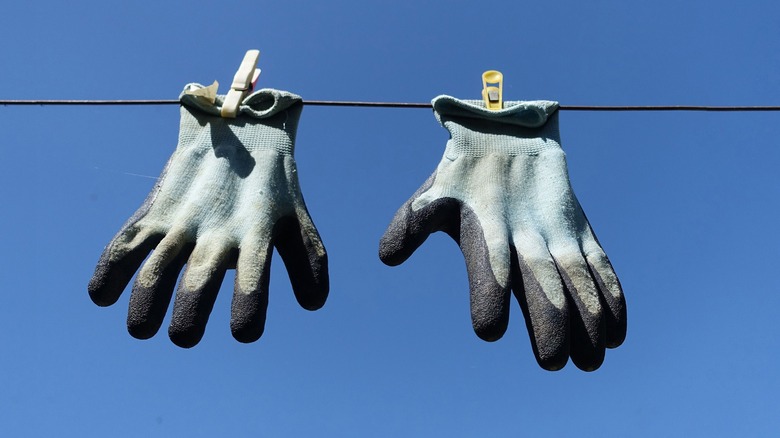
(267, 120)
(521, 128)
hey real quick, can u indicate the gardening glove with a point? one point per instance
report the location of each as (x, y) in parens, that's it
(228, 194)
(502, 192)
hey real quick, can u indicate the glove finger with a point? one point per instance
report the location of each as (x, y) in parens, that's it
(409, 229)
(612, 294)
(539, 290)
(198, 290)
(118, 263)
(250, 297)
(489, 294)
(154, 284)
(586, 319)
(305, 258)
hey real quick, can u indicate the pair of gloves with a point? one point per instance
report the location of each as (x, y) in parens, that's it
(230, 193)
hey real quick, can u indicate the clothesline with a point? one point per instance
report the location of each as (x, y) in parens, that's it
(406, 105)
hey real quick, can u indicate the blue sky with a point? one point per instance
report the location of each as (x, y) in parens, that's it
(685, 205)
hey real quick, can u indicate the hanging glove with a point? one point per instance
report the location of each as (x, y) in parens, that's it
(502, 192)
(228, 195)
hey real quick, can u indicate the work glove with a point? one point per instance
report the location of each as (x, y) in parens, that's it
(502, 192)
(227, 196)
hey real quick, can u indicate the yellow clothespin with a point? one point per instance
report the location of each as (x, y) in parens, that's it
(492, 94)
(243, 83)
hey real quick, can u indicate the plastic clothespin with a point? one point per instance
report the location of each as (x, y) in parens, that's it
(492, 94)
(243, 83)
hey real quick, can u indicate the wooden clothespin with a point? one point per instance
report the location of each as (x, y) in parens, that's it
(492, 94)
(243, 83)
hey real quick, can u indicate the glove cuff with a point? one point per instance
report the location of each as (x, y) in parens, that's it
(530, 114)
(261, 104)
(267, 120)
(521, 128)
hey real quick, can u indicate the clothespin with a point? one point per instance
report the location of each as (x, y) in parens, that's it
(243, 82)
(492, 94)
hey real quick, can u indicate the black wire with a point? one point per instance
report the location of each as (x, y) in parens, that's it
(407, 105)
(89, 102)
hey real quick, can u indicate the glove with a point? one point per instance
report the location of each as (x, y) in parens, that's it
(228, 194)
(502, 192)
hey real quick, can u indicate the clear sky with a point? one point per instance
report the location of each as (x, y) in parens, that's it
(685, 204)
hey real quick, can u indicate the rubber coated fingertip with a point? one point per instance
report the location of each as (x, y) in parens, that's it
(545, 309)
(391, 242)
(396, 244)
(189, 320)
(111, 277)
(118, 263)
(612, 297)
(553, 363)
(548, 329)
(490, 313)
(306, 260)
(616, 322)
(616, 332)
(489, 299)
(588, 340)
(186, 338)
(490, 332)
(191, 311)
(584, 354)
(248, 311)
(586, 313)
(101, 294)
(147, 311)
(149, 303)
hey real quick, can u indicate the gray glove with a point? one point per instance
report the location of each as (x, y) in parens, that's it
(502, 192)
(227, 196)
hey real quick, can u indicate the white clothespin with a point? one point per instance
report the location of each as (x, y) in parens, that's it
(493, 95)
(243, 83)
